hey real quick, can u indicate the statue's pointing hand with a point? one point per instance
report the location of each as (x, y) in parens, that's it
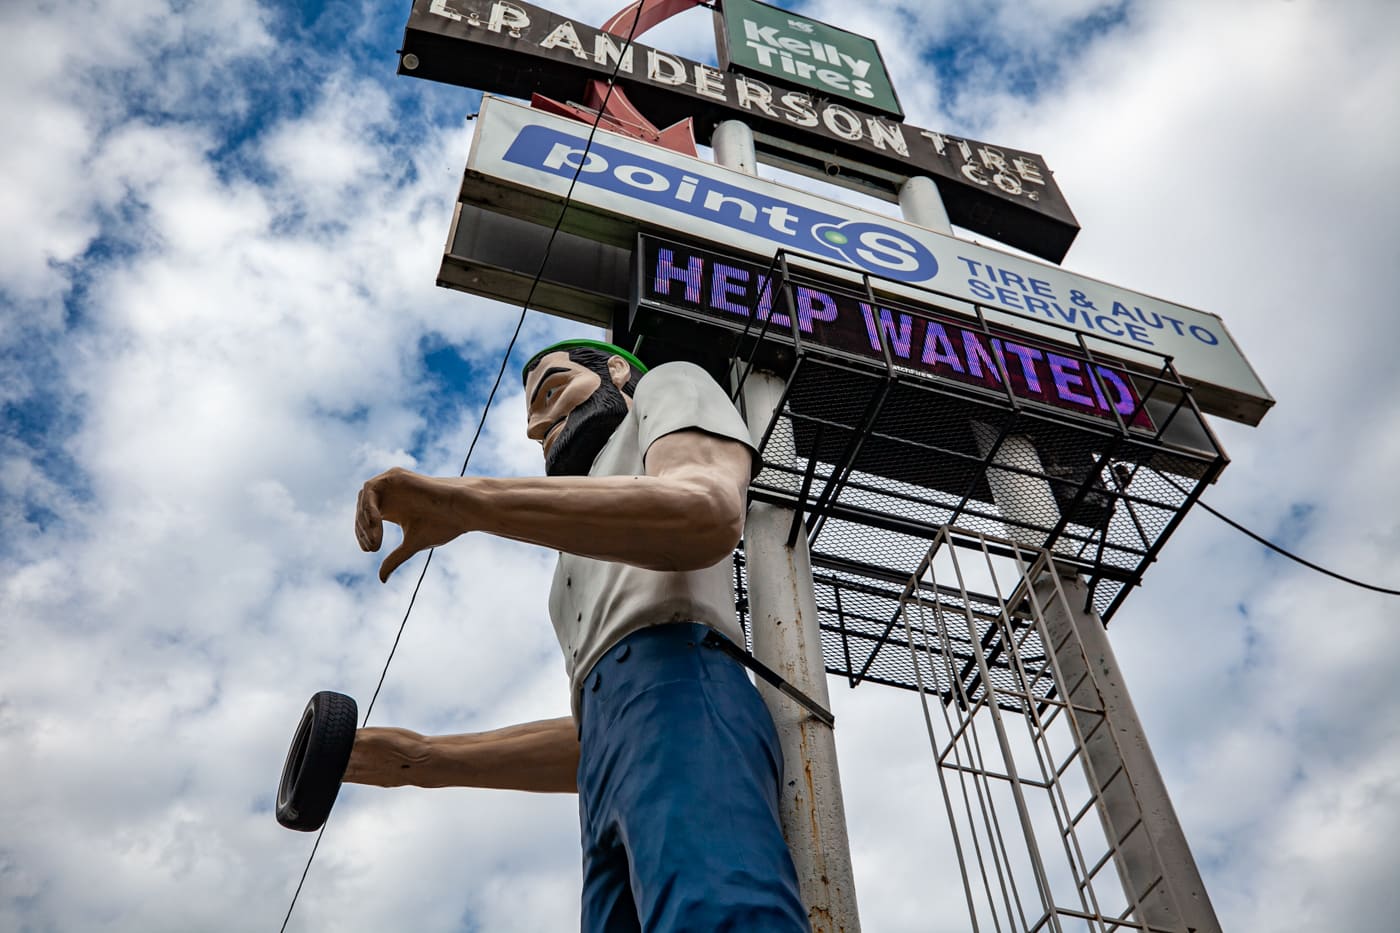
(420, 505)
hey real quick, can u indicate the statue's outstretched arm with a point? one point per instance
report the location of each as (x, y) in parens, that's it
(686, 513)
(536, 756)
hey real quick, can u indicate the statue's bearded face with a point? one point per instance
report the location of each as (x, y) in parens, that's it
(573, 411)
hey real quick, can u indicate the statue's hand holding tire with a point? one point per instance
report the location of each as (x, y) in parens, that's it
(316, 761)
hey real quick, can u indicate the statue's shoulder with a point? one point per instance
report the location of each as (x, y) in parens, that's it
(678, 369)
(678, 373)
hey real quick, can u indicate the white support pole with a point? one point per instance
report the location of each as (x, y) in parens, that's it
(734, 148)
(787, 638)
(1019, 496)
(1154, 861)
(921, 204)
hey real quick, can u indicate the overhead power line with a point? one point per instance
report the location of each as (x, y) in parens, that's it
(481, 422)
(1291, 556)
(1280, 549)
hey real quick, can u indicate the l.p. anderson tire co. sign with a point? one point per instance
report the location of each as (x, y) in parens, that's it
(517, 49)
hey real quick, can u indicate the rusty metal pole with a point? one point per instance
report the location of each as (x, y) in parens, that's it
(787, 637)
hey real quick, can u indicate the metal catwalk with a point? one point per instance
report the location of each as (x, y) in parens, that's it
(968, 545)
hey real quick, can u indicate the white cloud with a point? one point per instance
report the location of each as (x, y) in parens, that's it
(223, 338)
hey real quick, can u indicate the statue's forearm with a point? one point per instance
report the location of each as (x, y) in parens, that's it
(685, 514)
(536, 756)
(658, 523)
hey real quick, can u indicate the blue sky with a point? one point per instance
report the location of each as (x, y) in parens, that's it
(219, 233)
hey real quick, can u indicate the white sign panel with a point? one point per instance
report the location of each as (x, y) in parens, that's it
(659, 189)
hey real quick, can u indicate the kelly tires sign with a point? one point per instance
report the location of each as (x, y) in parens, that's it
(624, 186)
(771, 43)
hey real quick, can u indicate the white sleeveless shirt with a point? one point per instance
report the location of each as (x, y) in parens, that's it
(595, 603)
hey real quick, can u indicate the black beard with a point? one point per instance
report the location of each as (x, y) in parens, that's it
(585, 432)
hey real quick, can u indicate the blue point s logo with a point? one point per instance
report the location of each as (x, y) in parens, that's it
(878, 249)
(882, 250)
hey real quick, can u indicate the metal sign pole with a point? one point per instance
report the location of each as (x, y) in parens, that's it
(787, 637)
(1019, 495)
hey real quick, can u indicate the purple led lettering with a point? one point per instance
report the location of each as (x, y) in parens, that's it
(979, 361)
(1098, 392)
(939, 349)
(899, 338)
(1066, 373)
(813, 305)
(1027, 357)
(725, 281)
(737, 289)
(1128, 402)
(666, 273)
(765, 302)
(870, 331)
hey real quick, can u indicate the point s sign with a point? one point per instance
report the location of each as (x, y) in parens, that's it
(624, 185)
(774, 44)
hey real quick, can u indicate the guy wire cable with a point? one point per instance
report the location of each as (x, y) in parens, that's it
(486, 408)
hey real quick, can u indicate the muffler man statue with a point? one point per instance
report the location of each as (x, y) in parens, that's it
(671, 750)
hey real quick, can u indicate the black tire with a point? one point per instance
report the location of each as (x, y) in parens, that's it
(316, 761)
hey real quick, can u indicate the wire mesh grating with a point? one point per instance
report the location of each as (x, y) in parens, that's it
(875, 460)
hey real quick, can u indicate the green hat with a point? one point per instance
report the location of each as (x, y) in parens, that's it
(637, 365)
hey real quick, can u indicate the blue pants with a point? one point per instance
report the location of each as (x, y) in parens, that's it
(678, 793)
